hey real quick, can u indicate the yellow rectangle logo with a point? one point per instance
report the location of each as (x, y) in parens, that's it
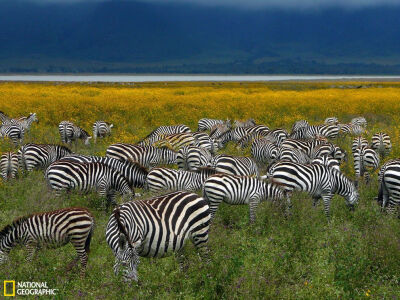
(12, 283)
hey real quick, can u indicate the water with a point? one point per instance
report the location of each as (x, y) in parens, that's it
(205, 77)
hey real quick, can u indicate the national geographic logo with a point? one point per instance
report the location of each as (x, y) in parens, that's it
(27, 288)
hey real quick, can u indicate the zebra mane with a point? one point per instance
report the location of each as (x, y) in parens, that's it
(6, 230)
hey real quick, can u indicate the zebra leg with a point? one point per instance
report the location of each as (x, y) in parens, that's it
(327, 203)
(79, 246)
(253, 204)
(367, 178)
(288, 211)
(183, 265)
(200, 241)
(31, 246)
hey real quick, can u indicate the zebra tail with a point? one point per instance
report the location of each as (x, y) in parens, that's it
(89, 239)
(21, 159)
(121, 227)
(205, 197)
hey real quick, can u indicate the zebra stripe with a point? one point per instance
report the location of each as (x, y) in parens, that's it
(306, 146)
(40, 156)
(9, 165)
(293, 155)
(55, 228)
(66, 175)
(359, 142)
(299, 124)
(381, 143)
(234, 165)
(218, 130)
(191, 158)
(330, 150)
(264, 151)
(365, 158)
(318, 180)
(14, 132)
(176, 141)
(101, 129)
(160, 132)
(157, 227)
(169, 179)
(310, 132)
(351, 129)
(238, 133)
(70, 132)
(275, 136)
(144, 155)
(203, 140)
(327, 161)
(239, 190)
(331, 121)
(207, 124)
(389, 186)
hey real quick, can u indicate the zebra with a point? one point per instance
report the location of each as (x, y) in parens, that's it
(144, 155)
(381, 143)
(276, 136)
(359, 121)
(250, 122)
(307, 146)
(234, 165)
(310, 132)
(299, 124)
(160, 132)
(157, 227)
(4, 118)
(351, 129)
(318, 180)
(67, 175)
(238, 133)
(328, 149)
(9, 165)
(174, 180)
(359, 142)
(24, 122)
(293, 155)
(207, 124)
(70, 132)
(203, 140)
(218, 130)
(331, 121)
(389, 183)
(327, 161)
(264, 151)
(176, 141)
(365, 158)
(40, 156)
(239, 190)
(14, 132)
(101, 129)
(135, 174)
(54, 228)
(191, 158)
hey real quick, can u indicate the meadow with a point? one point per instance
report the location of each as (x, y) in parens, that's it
(354, 256)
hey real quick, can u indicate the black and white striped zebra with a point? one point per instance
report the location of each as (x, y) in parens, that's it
(234, 165)
(9, 165)
(203, 140)
(157, 227)
(54, 228)
(248, 123)
(233, 189)
(318, 180)
(293, 155)
(191, 158)
(70, 132)
(176, 141)
(359, 142)
(307, 146)
(14, 132)
(218, 130)
(160, 179)
(389, 186)
(327, 161)
(359, 121)
(101, 129)
(365, 160)
(144, 155)
(160, 132)
(276, 136)
(264, 151)
(40, 156)
(135, 174)
(310, 132)
(207, 124)
(381, 143)
(351, 129)
(331, 121)
(236, 134)
(85, 177)
(299, 124)
(24, 122)
(330, 150)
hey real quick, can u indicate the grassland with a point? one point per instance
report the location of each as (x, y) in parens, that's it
(356, 255)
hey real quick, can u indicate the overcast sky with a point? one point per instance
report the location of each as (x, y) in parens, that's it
(295, 4)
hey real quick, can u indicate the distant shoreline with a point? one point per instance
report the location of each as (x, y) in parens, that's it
(121, 78)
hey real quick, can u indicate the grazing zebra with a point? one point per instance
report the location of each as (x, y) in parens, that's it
(67, 175)
(9, 165)
(101, 129)
(160, 132)
(176, 141)
(351, 129)
(331, 121)
(191, 158)
(299, 124)
(264, 151)
(70, 132)
(359, 121)
(310, 132)
(365, 158)
(234, 165)
(327, 161)
(248, 123)
(169, 179)
(236, 134)
(135, 174)
(218, 130)
(304, 145)
(381, 143)
(318, 180)
(203, 140)
(207, 124)
(239, 190)
(157, 227)
(389, 185)
(359, 142)
(293, 155)
(144, 155)
(55, 229)
(276, 136)
(40, 156)
(14, 132)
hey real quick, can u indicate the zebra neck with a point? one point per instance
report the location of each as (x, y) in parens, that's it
(342, 184)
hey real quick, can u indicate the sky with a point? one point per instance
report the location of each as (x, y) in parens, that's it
(291, 4)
